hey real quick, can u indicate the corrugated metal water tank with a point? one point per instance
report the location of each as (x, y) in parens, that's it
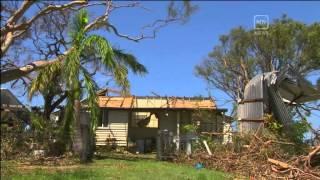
(250, 110)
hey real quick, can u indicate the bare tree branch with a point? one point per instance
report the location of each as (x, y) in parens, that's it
(52, 45)
(13, 30)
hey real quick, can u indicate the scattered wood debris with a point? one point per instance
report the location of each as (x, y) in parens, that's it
(261, 158)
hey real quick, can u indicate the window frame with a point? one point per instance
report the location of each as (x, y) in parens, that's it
(104, 118)
(134, 122)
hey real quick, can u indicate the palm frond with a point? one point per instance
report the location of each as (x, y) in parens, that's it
(71, 69)
(43, 79)
(71, 77)
(130, 61)
(120, 73)
(77, 25)
(99, 45)
(66, 129)
(106, 54)
(92, 98)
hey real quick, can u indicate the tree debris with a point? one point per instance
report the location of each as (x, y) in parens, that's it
(260, 157)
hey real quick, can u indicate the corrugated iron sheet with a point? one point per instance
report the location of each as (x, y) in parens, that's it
(280, 109)
(246, 126)
(251, 109)
(267, 93)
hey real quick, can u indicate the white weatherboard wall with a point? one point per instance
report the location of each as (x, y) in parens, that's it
(117, 128)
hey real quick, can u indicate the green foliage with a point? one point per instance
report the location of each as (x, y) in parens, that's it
(107, 57)
(19, 143)
(65, 131)
(93, 99)
(37, 122)
(296, 134)
(273, 125)
(45, 80)
(130, 61)
(77, 80)
(45, 135)
(299, 128)
(77, 25)
(245, 53)
(72, 69)
(14, 140)
(242, 54)
(83, 46)
(189, 128)
(114, 61)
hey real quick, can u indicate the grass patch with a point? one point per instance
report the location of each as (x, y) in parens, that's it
(111, 168)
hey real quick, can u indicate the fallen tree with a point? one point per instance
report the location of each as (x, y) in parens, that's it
(19, 72)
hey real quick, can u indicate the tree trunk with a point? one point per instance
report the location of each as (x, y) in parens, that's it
(77, 141)
(86, 139)
(19, 72)
(50, 105)
(83, 138)
(47, 107)
(7, 35)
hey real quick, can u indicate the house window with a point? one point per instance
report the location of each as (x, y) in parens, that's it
(144, 119)
(103, 121)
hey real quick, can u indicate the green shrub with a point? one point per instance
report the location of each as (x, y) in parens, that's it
(189, 128)
(299, 128)
(296, 134)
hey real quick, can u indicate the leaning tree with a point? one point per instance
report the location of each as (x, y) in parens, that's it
(242, 54)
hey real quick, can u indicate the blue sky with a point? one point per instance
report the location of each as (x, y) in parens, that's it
(172, 55)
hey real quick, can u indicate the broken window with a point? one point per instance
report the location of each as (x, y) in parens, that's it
(144, 119)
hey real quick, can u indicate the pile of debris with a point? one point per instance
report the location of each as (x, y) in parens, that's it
(259, 158)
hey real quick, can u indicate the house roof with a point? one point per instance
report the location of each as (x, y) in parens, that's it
(8, 100)
(153, 102)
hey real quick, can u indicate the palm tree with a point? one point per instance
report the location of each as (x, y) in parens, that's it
(86, 49)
